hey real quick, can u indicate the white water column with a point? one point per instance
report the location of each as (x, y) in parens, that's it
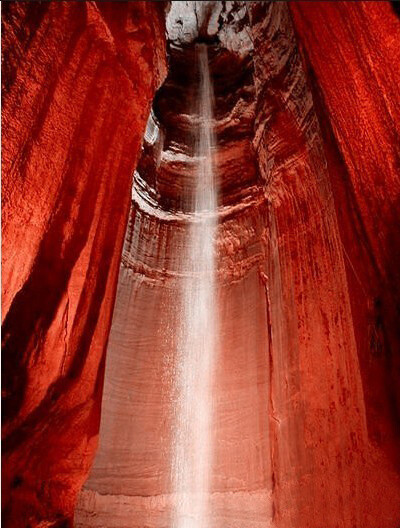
(192, 449)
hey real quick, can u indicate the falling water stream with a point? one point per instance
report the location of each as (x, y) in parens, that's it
(192, 449)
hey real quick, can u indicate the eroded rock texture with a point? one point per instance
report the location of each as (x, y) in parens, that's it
(78, 81)
(130, 482)
(354, 86)
(304, 434)
(307, 163)
(327, 469)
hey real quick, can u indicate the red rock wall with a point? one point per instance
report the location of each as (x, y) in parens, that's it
(355, 86)
(293, 447)
(307, 413)
(78, 81)
(130, 481)
(326, 471)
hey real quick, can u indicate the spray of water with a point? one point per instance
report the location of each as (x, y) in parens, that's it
(192, 457)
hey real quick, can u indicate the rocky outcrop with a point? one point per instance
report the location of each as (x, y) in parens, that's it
(78, 81)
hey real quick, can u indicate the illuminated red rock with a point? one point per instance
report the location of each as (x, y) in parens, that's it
(78, 81)
(293, 446)
(327, 467)
(306, 120)
(354, 85)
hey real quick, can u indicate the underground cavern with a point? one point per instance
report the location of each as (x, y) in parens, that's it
(201, 264)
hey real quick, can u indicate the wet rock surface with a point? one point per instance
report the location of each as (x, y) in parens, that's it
(306, 121)
(296, 440)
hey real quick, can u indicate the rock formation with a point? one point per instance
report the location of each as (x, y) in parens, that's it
(354, 90)
(306, 426)
(78, 81)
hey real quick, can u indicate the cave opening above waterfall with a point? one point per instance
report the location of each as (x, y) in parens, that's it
(196, 187)
(165, 168)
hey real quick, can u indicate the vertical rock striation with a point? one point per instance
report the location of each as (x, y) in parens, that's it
(78, 80)
(130, 484)
(355, 88)
(326, 468)
(307, 163)
(293, 445)
(305, 416)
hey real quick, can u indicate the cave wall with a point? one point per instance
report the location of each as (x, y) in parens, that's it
(326, 467)
(314, 378)
(355, 89)
(78, 79)
(308, 271)
(130, 482)
(310, 421)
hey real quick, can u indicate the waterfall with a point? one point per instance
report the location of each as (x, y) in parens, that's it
(192, 449)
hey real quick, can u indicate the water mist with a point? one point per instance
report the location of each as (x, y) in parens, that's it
(192, 449)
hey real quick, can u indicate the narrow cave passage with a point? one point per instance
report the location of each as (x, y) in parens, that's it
(141, 212)
(272, 317)
(134, 480)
